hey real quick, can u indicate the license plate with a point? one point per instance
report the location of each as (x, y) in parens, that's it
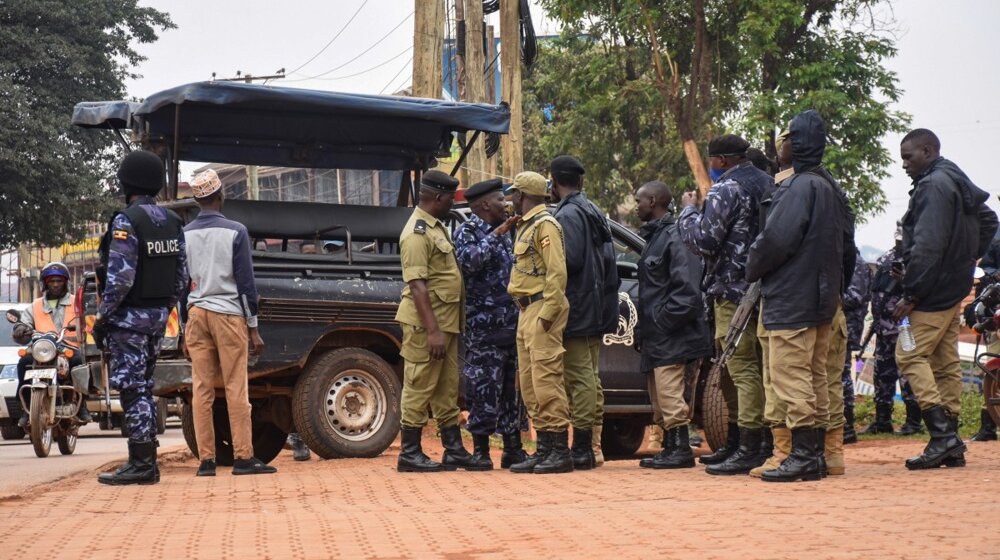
(40, 374)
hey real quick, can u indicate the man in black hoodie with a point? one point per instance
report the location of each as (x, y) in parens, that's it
(799, 259)
(947, 226)
(592, 290)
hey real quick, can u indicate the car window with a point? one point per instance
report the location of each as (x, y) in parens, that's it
(9, 371)
(624, 253)
(6, 331)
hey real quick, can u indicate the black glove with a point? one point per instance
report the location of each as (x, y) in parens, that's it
(969, 314)
(100, 331)
(21, 333)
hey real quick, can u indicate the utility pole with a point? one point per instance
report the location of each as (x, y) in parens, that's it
(428, 48)
(510, 73)
(475, 86)
(491, 85)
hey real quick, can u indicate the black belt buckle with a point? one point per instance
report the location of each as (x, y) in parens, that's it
(524, 301)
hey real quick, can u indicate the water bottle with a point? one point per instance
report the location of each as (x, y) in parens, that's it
(906, 340)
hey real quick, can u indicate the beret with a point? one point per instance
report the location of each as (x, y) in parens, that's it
(566, 165)
(530, 183)
(728, 145)
(439, 181)
(483, 187)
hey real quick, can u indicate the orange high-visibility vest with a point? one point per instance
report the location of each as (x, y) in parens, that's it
(44, 323)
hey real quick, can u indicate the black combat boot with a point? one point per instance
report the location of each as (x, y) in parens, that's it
(883, 420)
(300, 451)
(802, 463)
(723, 453)
(821, 451)
(455, 456)
(678, 456)
(558, 458)
(513, 452)
(411, 454)
(957, 460)
(542, 446)
(914, 423)
(944, 448)
(669, 443)
(481, 449)
(746, 458)
(850, 436)
(987, 428)
(583, 450)
(140, 468)
(767, 444)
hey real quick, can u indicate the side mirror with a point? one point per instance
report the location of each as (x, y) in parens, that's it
(13, 316)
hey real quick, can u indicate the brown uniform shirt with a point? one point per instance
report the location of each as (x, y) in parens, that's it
(428, 254)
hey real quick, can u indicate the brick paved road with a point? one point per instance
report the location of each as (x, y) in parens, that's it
(364, 509)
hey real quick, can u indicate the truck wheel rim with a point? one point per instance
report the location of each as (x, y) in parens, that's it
(355, 405)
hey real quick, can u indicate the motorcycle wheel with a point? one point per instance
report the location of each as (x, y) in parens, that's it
(991, 396)
(38, 416)
(67, 441)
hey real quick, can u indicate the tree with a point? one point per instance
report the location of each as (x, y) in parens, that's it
(54, 54)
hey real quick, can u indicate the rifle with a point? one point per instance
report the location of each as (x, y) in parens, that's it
(737, 326)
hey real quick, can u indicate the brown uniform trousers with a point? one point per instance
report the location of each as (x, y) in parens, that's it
(933, 367)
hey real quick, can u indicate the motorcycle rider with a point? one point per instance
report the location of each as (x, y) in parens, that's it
(51, 312)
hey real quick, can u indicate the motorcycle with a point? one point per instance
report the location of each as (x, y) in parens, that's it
(50, 391)
(987, 314)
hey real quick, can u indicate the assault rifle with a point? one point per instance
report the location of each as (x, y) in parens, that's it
(737, 326)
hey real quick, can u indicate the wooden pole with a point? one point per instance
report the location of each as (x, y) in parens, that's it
(510, 91)
(475, 84)
(461, 69)
(491, 85)
(428, 48)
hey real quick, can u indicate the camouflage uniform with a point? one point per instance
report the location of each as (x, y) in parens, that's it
(855, 301)
(887, 331)
(134, 333)
(491, 323)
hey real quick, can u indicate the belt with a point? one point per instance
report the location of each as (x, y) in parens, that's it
(523, 302)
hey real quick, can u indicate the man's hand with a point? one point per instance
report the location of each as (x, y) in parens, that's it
(256, 341)
(546, 325)
(689, 198)
(21, 333)
(100, 331)
(503, 228)
(436, 342)
(902, 309)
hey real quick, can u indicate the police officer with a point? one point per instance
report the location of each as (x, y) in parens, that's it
(143, 274)
(538, 286)
(855, 301)
(430, 315)
(592, 290)
(485, 251)
(721, 232)
(947, 226)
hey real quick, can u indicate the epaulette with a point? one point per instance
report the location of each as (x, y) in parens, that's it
(420, 227)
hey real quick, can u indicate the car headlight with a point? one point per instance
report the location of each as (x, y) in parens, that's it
(43, 350)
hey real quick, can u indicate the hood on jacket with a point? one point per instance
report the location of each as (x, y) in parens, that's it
(808, 135)
(972, 196)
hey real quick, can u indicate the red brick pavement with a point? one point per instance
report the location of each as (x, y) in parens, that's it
(362, 508)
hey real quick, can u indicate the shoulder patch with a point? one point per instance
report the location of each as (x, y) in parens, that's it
(420, 227)
(545, 242)
(120, 234)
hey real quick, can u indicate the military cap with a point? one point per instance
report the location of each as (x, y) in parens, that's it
(566, 165)
(530, 183)
(483, 187)
(728, 145)
(439, 181)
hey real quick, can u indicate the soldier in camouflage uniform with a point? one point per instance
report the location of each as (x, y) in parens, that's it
(886, 292)
(855, 303)
(485, 252)
(721, 232)
(144, 275)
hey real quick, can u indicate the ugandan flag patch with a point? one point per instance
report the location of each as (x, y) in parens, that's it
(120, 234)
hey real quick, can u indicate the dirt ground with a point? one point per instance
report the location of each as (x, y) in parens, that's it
(363, 508)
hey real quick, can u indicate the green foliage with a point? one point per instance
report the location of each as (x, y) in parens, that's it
(54, 54)
(968, 420)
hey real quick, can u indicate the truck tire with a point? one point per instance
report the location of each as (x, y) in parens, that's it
(622, 437)
(12, 432)
(714, 412)
(346, 404)
(161, 416)
(268, 439)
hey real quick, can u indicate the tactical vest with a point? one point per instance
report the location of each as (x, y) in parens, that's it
(159, 252)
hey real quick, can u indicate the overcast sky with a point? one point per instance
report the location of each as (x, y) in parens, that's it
(944, 66)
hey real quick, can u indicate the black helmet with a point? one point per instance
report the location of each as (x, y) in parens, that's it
(141, 172)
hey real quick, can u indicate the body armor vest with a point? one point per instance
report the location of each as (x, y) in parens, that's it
(159, 252)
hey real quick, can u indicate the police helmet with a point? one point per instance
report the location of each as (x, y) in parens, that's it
(141, 172)
(54, 269)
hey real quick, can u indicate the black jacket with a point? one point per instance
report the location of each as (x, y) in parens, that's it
(804, 255)
(592, 273)
(672, 327)
(947, 226)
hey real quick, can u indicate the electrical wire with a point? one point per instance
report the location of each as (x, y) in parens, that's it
(342, 29)
(362, 53)
(393, 79)
(529, 43)
(365, 71)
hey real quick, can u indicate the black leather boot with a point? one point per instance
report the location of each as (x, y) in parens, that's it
(723, 453)
(883, 420)
(411, 454)
(679, 456)
(83, 414)
(542, 445)
(914, 423)
(850, 436)
(987, 428)
(513, 452)
(746, 458)
(558, 458)
(140, 468)
(944, 445)
(802, 463)
(455, 456)
(583, 450)
(481, 449)
(669, 443)
(767, 444)
(821, 451)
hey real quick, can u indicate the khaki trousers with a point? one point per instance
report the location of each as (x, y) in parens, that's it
(933, 367)
(218, 345)
(428, 382)
(834, 372)
(666, 394)
(744, 368)
(583, 387)
(774, 409)
(798, 373)
(540, 369)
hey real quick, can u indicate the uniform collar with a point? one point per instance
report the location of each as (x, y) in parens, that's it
(142, 200)
(423, 215)
(533, 212)
(480, 223)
